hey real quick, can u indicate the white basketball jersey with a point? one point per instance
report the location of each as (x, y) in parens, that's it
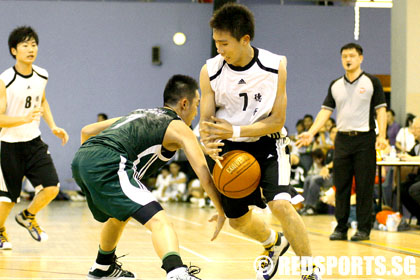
(23, 94)
(245, 95)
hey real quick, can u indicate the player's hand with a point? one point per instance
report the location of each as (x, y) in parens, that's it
(219, 129)
(60, 133)
(381, 143)
(304, 139)
(213, 149)
(220, 219)
(34, 115)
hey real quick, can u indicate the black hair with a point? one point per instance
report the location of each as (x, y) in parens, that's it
(409, 119)
(308, 116)
(392, 111)
(349, 46)
(299, 122)
(318, 153)
(103, 115)
(178, 87)
(21, 34)
(234, 18)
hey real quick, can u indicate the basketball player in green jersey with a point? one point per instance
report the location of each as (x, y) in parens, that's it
(109, 166)
(244, 100)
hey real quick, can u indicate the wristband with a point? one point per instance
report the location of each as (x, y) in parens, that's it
(236, 131)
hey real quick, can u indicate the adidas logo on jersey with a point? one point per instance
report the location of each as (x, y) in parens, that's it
(242, 82)
(29, 87)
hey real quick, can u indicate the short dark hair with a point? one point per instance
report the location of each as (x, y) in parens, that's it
(299, 122)
(409, 119)
(308, 116)
(103, 115)
(318, 153)
(21, 34)
(178, 87)
(392, 111)
(355, 46)
(234, 18)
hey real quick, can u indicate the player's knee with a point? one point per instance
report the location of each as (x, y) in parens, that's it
(158, 222)
(52, 191)
(238, 223)
(280, 206)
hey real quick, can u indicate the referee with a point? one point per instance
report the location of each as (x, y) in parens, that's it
(357, 96)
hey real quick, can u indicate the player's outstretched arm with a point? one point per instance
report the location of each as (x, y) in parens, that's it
(179, 136)
(95, 128)
(306, 137)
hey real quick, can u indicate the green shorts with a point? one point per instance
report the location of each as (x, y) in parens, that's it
(106, 178)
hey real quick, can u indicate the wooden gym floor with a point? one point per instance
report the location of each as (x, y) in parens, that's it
(73, 242)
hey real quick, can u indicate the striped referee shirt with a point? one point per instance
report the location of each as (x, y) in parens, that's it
(356, 102)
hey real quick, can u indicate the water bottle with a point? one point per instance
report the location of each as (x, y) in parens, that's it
(393, 221)
(393, 152)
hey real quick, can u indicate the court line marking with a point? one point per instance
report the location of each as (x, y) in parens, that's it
(191, 251)
(184, 220)
(195, 253)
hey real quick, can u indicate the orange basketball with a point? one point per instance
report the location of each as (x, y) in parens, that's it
(240, 174)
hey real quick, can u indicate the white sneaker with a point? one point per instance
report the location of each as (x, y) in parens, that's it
(32, 226)
(269, 261)
(4, 241)
(183, 273)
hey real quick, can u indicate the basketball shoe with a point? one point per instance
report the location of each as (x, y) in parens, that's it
(4, 241)
(30, 223)
(110, 272)
(184, 273)
(269, 261)
(315, 275)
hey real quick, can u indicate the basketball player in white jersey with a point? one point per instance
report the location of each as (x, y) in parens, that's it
(22, 103)
(244, 100)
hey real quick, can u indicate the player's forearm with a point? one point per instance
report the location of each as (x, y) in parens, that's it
(264, 127)
(210, 189)
(8, 121)
(48, 115)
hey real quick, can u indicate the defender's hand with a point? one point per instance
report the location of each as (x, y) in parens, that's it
(220, 219)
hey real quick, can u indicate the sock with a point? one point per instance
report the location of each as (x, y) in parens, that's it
(271, 239)
(27, 214)
(171, 261)
(104, 257)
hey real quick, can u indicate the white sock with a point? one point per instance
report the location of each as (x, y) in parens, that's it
(271, 239)
(175, 272)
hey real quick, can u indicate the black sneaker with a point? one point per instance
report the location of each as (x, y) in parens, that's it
(113, 272)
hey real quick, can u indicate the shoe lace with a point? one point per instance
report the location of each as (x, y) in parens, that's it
(34, 225)
(3, 237)
(193, 270)
(118, 266)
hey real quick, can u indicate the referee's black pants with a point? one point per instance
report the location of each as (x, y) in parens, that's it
(354, 156)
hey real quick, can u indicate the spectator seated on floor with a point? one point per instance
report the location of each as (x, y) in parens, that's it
(162, 184)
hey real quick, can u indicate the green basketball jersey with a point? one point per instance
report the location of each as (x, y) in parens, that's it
(138, 137)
